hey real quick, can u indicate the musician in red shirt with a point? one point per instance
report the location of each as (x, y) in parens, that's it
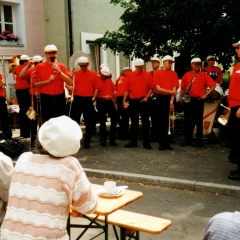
(6, 130)
(196, 83)
(138, 88)
(22, 93)
(234, 121)
(29, 73)
(107, 104)
(123, 113)
(86, 85)
(52, 75)
(213, 71)
(166, 84)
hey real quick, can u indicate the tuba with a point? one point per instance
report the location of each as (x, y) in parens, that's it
(223, 119)
(31, 113)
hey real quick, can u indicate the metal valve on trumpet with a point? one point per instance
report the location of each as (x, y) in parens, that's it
(223, 119)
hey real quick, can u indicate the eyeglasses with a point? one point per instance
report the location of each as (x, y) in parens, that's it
(82, 65)
(51, 53)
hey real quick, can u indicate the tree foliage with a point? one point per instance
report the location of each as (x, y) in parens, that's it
(190, 27)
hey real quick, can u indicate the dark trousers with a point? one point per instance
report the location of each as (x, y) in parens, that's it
(4, 118)
(24, 103)
(234, 128)
(137, 107)
(162, 111)
(107, 107)
(193, 115)
(84, 105)
(123, 116)
(52, 106)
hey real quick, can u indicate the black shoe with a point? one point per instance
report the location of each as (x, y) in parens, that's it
(185, 143)
(130, 145)
(113, 143)
(161, 148)
(234, 177)
(198, 144)
(86, 146)
(233, 172)
(168, 147)
(103, 143)
(147, 146)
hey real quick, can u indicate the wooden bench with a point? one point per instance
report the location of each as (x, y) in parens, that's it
(131, 223)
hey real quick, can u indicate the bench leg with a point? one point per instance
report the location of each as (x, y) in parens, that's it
(124, 234)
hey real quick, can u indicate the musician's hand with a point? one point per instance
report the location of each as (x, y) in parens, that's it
(52, 78)
(145, 99)
(174, 92)
(55, 68)
(238, 113)
(3, 81)
(171, 106)
(203, 97)
(181, 101)
(125, 105)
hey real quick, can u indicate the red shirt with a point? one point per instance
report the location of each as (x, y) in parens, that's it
(55, 87)
(234, 88)
(21, 83)
(86, 83)
(120, 86)
(106, 88)
(211, 71)
(138, 84)
(34, 79)
(2, 92)
(167, 79)
(200, 84)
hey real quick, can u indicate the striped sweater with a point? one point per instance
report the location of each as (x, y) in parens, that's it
(41, 191)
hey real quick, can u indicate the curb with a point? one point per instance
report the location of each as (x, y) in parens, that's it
(181, 184)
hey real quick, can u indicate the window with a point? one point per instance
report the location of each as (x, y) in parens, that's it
(6, 18)
(94, 53)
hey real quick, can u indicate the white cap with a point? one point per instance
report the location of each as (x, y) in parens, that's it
(24, 57)
(127, 68)
(105, 71)
(83, 60)
(210, 57)
(103, 65)
(155, 58)
(236, 44)
(37, 58)
(168, 57)
(139, 62)
(196, 60)
(60, 136)
(50, 48)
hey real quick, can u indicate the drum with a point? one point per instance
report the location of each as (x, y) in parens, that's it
(215, 95)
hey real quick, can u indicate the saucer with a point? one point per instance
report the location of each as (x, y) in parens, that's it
(104, 193)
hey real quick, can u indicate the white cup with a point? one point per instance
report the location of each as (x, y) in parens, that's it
(110, 186)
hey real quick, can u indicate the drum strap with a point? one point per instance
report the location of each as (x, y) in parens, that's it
(190, 85)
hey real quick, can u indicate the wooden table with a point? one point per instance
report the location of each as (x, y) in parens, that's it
(105, 207)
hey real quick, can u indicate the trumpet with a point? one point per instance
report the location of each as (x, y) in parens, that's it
(172, 118)
(31, 113)
(223, 119)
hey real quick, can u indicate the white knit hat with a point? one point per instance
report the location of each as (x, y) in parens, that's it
(60, 136)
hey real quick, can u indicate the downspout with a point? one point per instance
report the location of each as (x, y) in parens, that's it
(70, 27)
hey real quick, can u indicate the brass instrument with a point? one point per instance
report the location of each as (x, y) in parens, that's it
(171, 119)
(223, 119)
(73, 61)
(4, 78)
(31, 113)
(71, 99)
(153, 96)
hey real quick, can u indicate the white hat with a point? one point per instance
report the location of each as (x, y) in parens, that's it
(139, 62)
(50, 48)
(236, 44)
(103, 65)
(37, 58)
(60, 136)
(168, 57)
(209, 57)
(127, 68)
(155, 58)
(24, 57)
(196, 60)
(106, 71)
(83, 60)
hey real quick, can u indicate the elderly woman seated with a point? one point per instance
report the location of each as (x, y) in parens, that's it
(44, 185)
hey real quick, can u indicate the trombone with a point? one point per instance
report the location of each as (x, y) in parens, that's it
(223, 119)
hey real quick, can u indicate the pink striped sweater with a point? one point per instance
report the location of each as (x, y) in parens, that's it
(41, 191)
